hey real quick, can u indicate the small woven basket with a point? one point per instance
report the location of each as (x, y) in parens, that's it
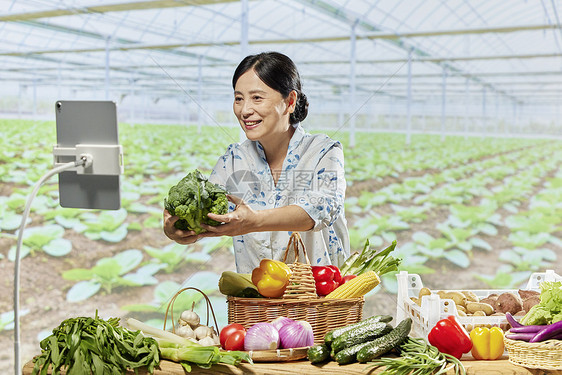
(546, 355)
(170, 309)
(301, 284)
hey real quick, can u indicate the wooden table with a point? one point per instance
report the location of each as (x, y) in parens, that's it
(303, 367)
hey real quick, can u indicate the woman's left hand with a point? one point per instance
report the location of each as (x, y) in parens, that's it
(240, 221)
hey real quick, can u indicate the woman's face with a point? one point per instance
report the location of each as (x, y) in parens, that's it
(263, 113)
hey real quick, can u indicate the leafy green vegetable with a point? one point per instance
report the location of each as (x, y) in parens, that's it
(369, 260)
(192, 199)
(87, 345)
(506, 277)
(549, 309)
(109, 273)
(47, 238)
(7, 319)
(109, 226)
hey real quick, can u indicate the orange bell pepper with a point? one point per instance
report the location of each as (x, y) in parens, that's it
(487, 343)
(271, 278)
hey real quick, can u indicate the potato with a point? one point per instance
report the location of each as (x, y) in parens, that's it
(508, 302)
(474, 307)
(461, 309)
(424, 292)
(479, 313)
(461, 313)
(491, 297)
(524, 294)
(489, 301)
(530, 302)
(417, 301)
(470, 296)
(456, 296)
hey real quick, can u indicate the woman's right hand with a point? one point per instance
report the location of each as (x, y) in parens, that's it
(183, 237)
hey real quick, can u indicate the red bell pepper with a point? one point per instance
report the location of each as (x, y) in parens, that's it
(325, 279)
(337, 274)
(346, 278)
(450, 337)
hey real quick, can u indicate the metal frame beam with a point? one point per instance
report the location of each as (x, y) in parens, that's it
(117, 7)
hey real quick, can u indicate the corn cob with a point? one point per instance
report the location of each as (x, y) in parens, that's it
(356, 287)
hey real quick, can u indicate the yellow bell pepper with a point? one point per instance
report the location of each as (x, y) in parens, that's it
(487, 343)
(271, 278)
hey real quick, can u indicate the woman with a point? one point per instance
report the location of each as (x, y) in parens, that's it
(281, 179)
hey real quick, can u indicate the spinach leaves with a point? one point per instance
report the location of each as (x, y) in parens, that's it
(87, 345)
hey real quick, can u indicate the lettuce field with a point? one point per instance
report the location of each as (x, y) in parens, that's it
(471, 213)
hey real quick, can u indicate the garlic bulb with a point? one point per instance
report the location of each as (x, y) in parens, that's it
(215, 337)
(207, 341)
(189, 317)
(185, 331)
(202, 331)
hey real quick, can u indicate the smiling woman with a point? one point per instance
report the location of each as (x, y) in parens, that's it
(281, 179)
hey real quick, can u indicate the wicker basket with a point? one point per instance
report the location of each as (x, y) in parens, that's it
(545, 355)
(322, 314)
(299, 302)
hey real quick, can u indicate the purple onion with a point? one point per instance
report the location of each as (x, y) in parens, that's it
(281, 321)
(261, 336)
(296, 335)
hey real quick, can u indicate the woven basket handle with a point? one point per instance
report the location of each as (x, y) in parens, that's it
(295, 242)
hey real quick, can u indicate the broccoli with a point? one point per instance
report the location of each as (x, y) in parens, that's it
(192, 199)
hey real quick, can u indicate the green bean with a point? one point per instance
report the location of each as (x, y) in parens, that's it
(417, 357)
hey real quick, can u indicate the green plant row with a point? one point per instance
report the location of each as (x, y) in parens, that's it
(463, 229)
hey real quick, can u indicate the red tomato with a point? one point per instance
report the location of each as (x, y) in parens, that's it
(337, 274)
(324, 288)
(228, 331)
(235, 341)
(345, 279)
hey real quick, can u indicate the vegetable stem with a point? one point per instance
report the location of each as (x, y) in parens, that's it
(369, 260)
(157, 332)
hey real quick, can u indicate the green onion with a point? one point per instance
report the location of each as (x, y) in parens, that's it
(186, 352)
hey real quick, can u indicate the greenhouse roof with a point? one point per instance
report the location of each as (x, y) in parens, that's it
(512, 49)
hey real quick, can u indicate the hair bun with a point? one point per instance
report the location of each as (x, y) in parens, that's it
(301, 109)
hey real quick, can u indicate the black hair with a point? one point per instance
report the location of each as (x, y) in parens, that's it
(280, 73)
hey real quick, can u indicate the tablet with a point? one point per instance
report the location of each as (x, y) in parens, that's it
(87, 122)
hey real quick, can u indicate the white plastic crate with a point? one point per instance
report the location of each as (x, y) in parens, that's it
(433, 308)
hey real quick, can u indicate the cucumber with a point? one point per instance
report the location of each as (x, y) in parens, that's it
(363, 333)
(335, 333)
(349, 355)
(318, 353)
(386, 343)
